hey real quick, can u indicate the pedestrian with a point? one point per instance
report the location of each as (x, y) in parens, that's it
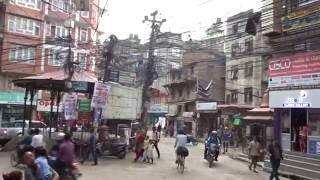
(37, 139)
(276, 156)
(66, 154)
(42, 162)
(156, 139)
(31, 172)
(92, 148)
(159, 129)
(226, 139)
(254, 153)
(139, 144)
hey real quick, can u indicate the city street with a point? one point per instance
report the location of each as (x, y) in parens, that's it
(163, 168)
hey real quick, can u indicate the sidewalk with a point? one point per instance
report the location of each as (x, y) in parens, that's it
(236, 153)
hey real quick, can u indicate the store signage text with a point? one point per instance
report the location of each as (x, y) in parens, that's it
(297, 102)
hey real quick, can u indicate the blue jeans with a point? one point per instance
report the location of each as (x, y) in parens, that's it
(275, 164)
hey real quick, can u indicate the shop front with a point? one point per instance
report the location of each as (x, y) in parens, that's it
(297, 119)
(207, 118)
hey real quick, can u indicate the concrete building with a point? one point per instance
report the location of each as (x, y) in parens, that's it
(168, 55)
(293, 29)
(246, 64)
(34, 41)
(200, 79)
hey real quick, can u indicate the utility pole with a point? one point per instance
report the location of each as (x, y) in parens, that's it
(150, 71)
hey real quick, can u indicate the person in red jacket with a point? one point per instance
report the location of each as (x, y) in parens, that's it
(139, 144)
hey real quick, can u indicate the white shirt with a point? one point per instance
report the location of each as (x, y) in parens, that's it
(37, 141)
(181, 140)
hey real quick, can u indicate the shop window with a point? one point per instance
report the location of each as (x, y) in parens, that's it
(248, 97)
(314, 122)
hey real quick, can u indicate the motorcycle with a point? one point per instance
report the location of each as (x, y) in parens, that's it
(112, 147)
(212, 152)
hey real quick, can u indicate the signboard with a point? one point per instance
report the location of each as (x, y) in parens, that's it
(314, 145)
(84, 105)
(14, 98)
(45, 106)
(127, 77)
(206, 106)
(237, 121)
(84, 117)
(285, 141)
(294, 99)
(114, 76)
(80, 86)
(100, 95)
(299, 20)
(296, 70)
(158, 108)
(70, 107)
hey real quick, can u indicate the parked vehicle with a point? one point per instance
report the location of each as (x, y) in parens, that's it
(11, 129)
(112, 147)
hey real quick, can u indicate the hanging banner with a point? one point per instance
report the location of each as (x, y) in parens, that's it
(100, 95)
(70, 107)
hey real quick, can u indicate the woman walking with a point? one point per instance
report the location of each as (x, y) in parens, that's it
(254, 153)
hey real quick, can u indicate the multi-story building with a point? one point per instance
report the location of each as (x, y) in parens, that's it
(168, 55)
(294, 71)
(246, 66)
(35, 40)
(215, 37)
(200, 79)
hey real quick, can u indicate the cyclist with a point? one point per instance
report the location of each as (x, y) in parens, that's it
(180, 144)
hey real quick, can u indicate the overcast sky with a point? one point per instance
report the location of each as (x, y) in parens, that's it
(125, 16)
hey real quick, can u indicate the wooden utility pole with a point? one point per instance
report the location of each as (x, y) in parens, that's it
(150, 71)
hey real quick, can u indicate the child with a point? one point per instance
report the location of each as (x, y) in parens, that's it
(145, 149)
(42, 162)
(149, 151)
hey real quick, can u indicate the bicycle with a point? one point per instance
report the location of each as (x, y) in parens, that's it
(180, 164)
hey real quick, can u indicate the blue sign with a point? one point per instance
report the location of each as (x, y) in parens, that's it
(314, 147)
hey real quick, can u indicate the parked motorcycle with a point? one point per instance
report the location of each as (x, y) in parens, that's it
(112, 147)
(212, 152)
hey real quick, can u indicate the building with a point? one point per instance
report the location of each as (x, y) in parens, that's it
(168, 55)
(215, 37)
(200, 81)
(246, 65)
(293, 30)
(35, 40)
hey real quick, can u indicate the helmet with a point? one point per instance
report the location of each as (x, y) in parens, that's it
(214, 132)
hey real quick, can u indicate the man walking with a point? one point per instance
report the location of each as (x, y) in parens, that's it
(92, 148)
(156, 139)
(254, 153)
(226, 139)
(276, 156)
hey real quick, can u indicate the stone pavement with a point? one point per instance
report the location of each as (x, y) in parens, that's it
(163, 168)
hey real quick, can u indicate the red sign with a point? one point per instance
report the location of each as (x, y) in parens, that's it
(298, 64)
(301, 69)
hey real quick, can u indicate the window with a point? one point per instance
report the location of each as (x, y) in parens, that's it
(83, 35)
(85, 14)
(192, 70)
(82, 60)
(234, 96)
(23, 26)
(66, 6)
(235, 49)
(248, 69)
(179, 109)
(23, 55)
(55, 5)
(234, 72)
(33, 4)
(188, 92)
(180, 92)
(58, 31)
(56, 57)
(173, 76)
(228, 99)
(248, 95)
(248, 45)
(173, 94)
(235, 29)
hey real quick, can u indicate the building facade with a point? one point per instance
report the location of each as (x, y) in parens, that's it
(246, 65)
(35, 40)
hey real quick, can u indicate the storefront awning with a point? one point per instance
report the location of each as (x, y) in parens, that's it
(258, 118)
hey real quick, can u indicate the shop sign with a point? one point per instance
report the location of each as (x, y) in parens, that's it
(158, 108)
(301, 19)
(84, 105)
(84, 117)
(295, 99)
(45, 106)
(207, 106)
(80, 86)
(70, 106)
(14, 98)
(301, 69)
(100, 95)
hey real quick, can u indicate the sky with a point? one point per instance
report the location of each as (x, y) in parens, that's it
(190, 17)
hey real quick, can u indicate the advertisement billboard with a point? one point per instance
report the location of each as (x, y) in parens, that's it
(295, 70)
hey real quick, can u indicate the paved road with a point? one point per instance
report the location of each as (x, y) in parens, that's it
(163, 168)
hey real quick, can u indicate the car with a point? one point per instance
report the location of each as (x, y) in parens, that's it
(10, 129)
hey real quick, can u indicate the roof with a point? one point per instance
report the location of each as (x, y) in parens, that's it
(258, 118)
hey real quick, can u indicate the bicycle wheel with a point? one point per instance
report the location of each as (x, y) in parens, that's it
(14, 159)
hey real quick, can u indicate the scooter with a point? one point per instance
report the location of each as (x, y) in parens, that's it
(110, 148)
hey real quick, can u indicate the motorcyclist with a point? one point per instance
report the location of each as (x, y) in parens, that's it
(212, 139)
